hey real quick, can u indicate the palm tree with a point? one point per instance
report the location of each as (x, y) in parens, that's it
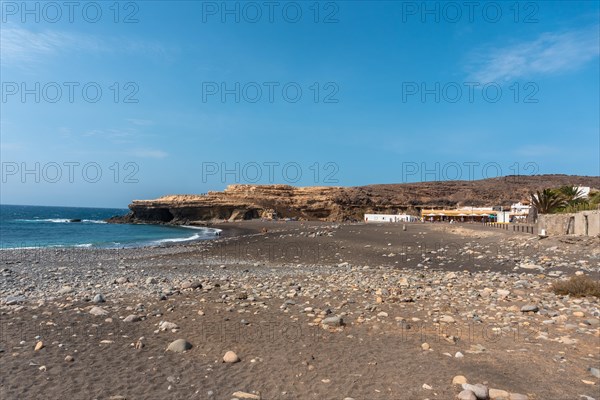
(594, 197)
(547, 201)
(571, 194)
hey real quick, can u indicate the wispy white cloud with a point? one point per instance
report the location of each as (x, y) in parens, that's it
(537, 150)
(550, 53)
(140, 122)
(19, 45)
(149, 153)
(116, 136)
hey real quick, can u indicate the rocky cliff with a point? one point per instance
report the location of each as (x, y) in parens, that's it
(239, 202)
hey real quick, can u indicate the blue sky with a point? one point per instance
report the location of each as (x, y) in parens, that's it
(196, 96)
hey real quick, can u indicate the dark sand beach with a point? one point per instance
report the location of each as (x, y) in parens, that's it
(312, 310)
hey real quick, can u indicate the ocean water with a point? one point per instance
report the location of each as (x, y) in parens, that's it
(35, 226)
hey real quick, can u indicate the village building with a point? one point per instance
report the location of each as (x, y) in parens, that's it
(390, 218)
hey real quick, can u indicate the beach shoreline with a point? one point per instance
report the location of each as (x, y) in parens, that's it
(264, 289)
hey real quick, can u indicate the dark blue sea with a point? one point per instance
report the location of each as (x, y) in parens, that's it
(35, 226)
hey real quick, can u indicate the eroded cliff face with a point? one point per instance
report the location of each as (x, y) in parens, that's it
(238, 202)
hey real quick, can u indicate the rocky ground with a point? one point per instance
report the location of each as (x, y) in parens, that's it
(275, 310)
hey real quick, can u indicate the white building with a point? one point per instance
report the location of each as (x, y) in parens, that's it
(519, 209)
(390, 218)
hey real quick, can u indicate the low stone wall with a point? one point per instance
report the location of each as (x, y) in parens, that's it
(583, 223)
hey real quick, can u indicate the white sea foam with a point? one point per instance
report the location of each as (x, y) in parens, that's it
(62, 220)
(176, 240)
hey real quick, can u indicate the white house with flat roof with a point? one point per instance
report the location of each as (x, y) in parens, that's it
(390, 218)
(520, 209)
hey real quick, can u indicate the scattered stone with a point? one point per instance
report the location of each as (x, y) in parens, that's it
(230, 357)
(191, 285)
(39, 345)
(13, 300)
(65, 290)
(99, 298)
(167, 326)
(496, 394)
(466, 395)
(179, 346)
(425, 346)
(480, 391)
(447, 319)
(132, 318)
(459, 380)
(69, 358)
(98, 311)
(246, 396)
(529, 308)
(333, 321)
(518, 396)
(595, 372)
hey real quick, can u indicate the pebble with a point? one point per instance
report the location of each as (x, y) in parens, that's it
(179, 346)
(466, 395)
(167, 326)
(425, 346)
(98, 311)
(39, 345)
(447, 319)
(480, 391)
(496, 394)
(230, 357)
(333, 321)
(191, 285)
(69, 358)
(12, 300)
(529, 308)
(459, 380)
(132, 318)
(518, 396)
(246, 396)
(99, 298)
(65, 290)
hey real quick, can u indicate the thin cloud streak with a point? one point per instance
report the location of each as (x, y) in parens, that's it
(19, 45)
(550, 53)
